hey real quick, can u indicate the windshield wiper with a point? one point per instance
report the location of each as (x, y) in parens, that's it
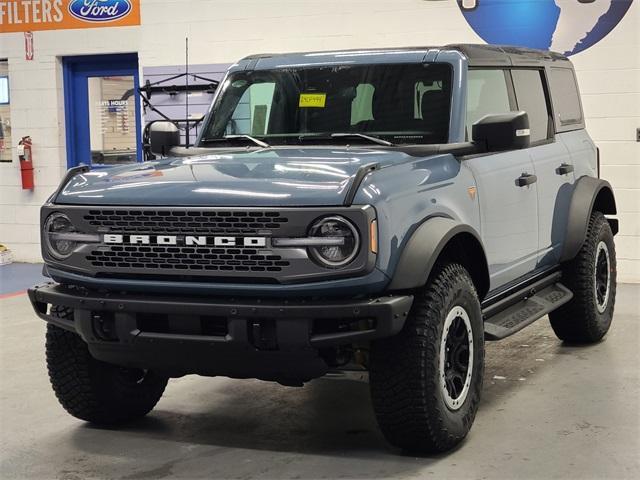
(377, 140)
(260, 143)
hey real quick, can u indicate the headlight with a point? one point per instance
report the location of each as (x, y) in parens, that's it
(343, 245)
(59, 235)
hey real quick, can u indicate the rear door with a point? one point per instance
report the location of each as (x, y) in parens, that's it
(508, 213)
(551, 160)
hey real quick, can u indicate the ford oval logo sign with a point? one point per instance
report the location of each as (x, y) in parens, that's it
(99, 10)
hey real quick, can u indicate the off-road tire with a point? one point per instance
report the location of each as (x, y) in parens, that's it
(95, 391)
(405, 372)
(580, 321)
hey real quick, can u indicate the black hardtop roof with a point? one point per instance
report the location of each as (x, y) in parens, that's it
(476, 54)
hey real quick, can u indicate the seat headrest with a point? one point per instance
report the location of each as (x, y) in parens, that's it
(435, 114)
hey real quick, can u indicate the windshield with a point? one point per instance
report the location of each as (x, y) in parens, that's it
(401, 104)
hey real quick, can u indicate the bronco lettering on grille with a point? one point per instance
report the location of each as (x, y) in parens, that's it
(184, 240)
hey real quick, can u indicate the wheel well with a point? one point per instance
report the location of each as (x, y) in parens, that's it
(464, 248)
(605, 202)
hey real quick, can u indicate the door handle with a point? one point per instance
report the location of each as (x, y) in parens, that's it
(564, 169)
(526, 179)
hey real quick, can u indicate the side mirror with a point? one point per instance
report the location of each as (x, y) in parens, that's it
(505, 131)
(163, 136)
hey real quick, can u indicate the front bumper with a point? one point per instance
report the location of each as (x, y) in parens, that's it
(269, 339)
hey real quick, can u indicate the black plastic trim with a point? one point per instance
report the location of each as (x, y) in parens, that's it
(511, 298)
(423, 249)
(389, 312)
(265, 339)
(519, 284)
(362, 172)
(583, 200)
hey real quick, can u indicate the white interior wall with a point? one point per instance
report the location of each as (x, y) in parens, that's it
(224, 30)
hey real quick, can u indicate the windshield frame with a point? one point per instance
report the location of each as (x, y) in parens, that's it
(397, 138)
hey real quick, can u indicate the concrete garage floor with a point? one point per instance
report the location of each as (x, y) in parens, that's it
(549, 411)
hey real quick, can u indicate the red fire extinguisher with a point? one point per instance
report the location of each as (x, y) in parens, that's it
(26, 163)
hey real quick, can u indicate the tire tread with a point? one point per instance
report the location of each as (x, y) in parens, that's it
(92, 390)
(579, 320)
(403, 384)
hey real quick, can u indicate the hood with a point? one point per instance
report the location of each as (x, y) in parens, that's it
(270, 177)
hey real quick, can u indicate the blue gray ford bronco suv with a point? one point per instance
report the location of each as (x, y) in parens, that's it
(378, 212)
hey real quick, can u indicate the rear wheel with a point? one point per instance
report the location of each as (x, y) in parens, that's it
(591, 276)
(427, 380)
(95, 391)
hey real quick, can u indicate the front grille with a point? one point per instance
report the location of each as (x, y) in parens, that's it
(185, 221)
(186, 259)
(180, 258)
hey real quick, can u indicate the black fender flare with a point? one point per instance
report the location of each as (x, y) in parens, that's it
(426, 244)
(589, 193)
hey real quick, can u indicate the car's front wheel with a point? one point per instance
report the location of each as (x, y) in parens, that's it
(95, 391)
(426, 381)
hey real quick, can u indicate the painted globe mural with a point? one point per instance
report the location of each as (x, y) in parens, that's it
(565, 26)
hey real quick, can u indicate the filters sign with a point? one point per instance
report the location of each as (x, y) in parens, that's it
(30, 15)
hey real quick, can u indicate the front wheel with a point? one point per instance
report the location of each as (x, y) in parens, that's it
(92, 390)
(426, 381)
(591, 276)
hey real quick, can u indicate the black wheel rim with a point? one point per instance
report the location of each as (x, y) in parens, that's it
(602, 281)
(456, 358)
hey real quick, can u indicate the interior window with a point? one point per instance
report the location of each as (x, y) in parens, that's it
(532, 99)
(362, 105)
(486, 93)
(421, 89)
(566, 99)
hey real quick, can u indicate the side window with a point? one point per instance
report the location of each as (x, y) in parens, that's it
(251, 116)
(486, 93)
(531, 98)
(566, 100)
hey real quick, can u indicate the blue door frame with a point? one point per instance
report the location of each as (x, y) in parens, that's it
(77, 71)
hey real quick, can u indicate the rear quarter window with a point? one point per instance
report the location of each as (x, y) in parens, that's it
(566, 99)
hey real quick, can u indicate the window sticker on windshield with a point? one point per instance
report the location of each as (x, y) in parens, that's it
(312, 100)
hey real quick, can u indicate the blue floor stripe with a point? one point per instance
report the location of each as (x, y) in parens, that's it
(16, 277)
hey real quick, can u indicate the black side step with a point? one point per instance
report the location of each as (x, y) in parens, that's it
(520, 312)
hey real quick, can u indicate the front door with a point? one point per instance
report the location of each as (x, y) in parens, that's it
(102, 110)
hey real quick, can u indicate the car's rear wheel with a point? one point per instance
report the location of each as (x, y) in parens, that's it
(591, 276)
(95, 391)
(427, 380)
